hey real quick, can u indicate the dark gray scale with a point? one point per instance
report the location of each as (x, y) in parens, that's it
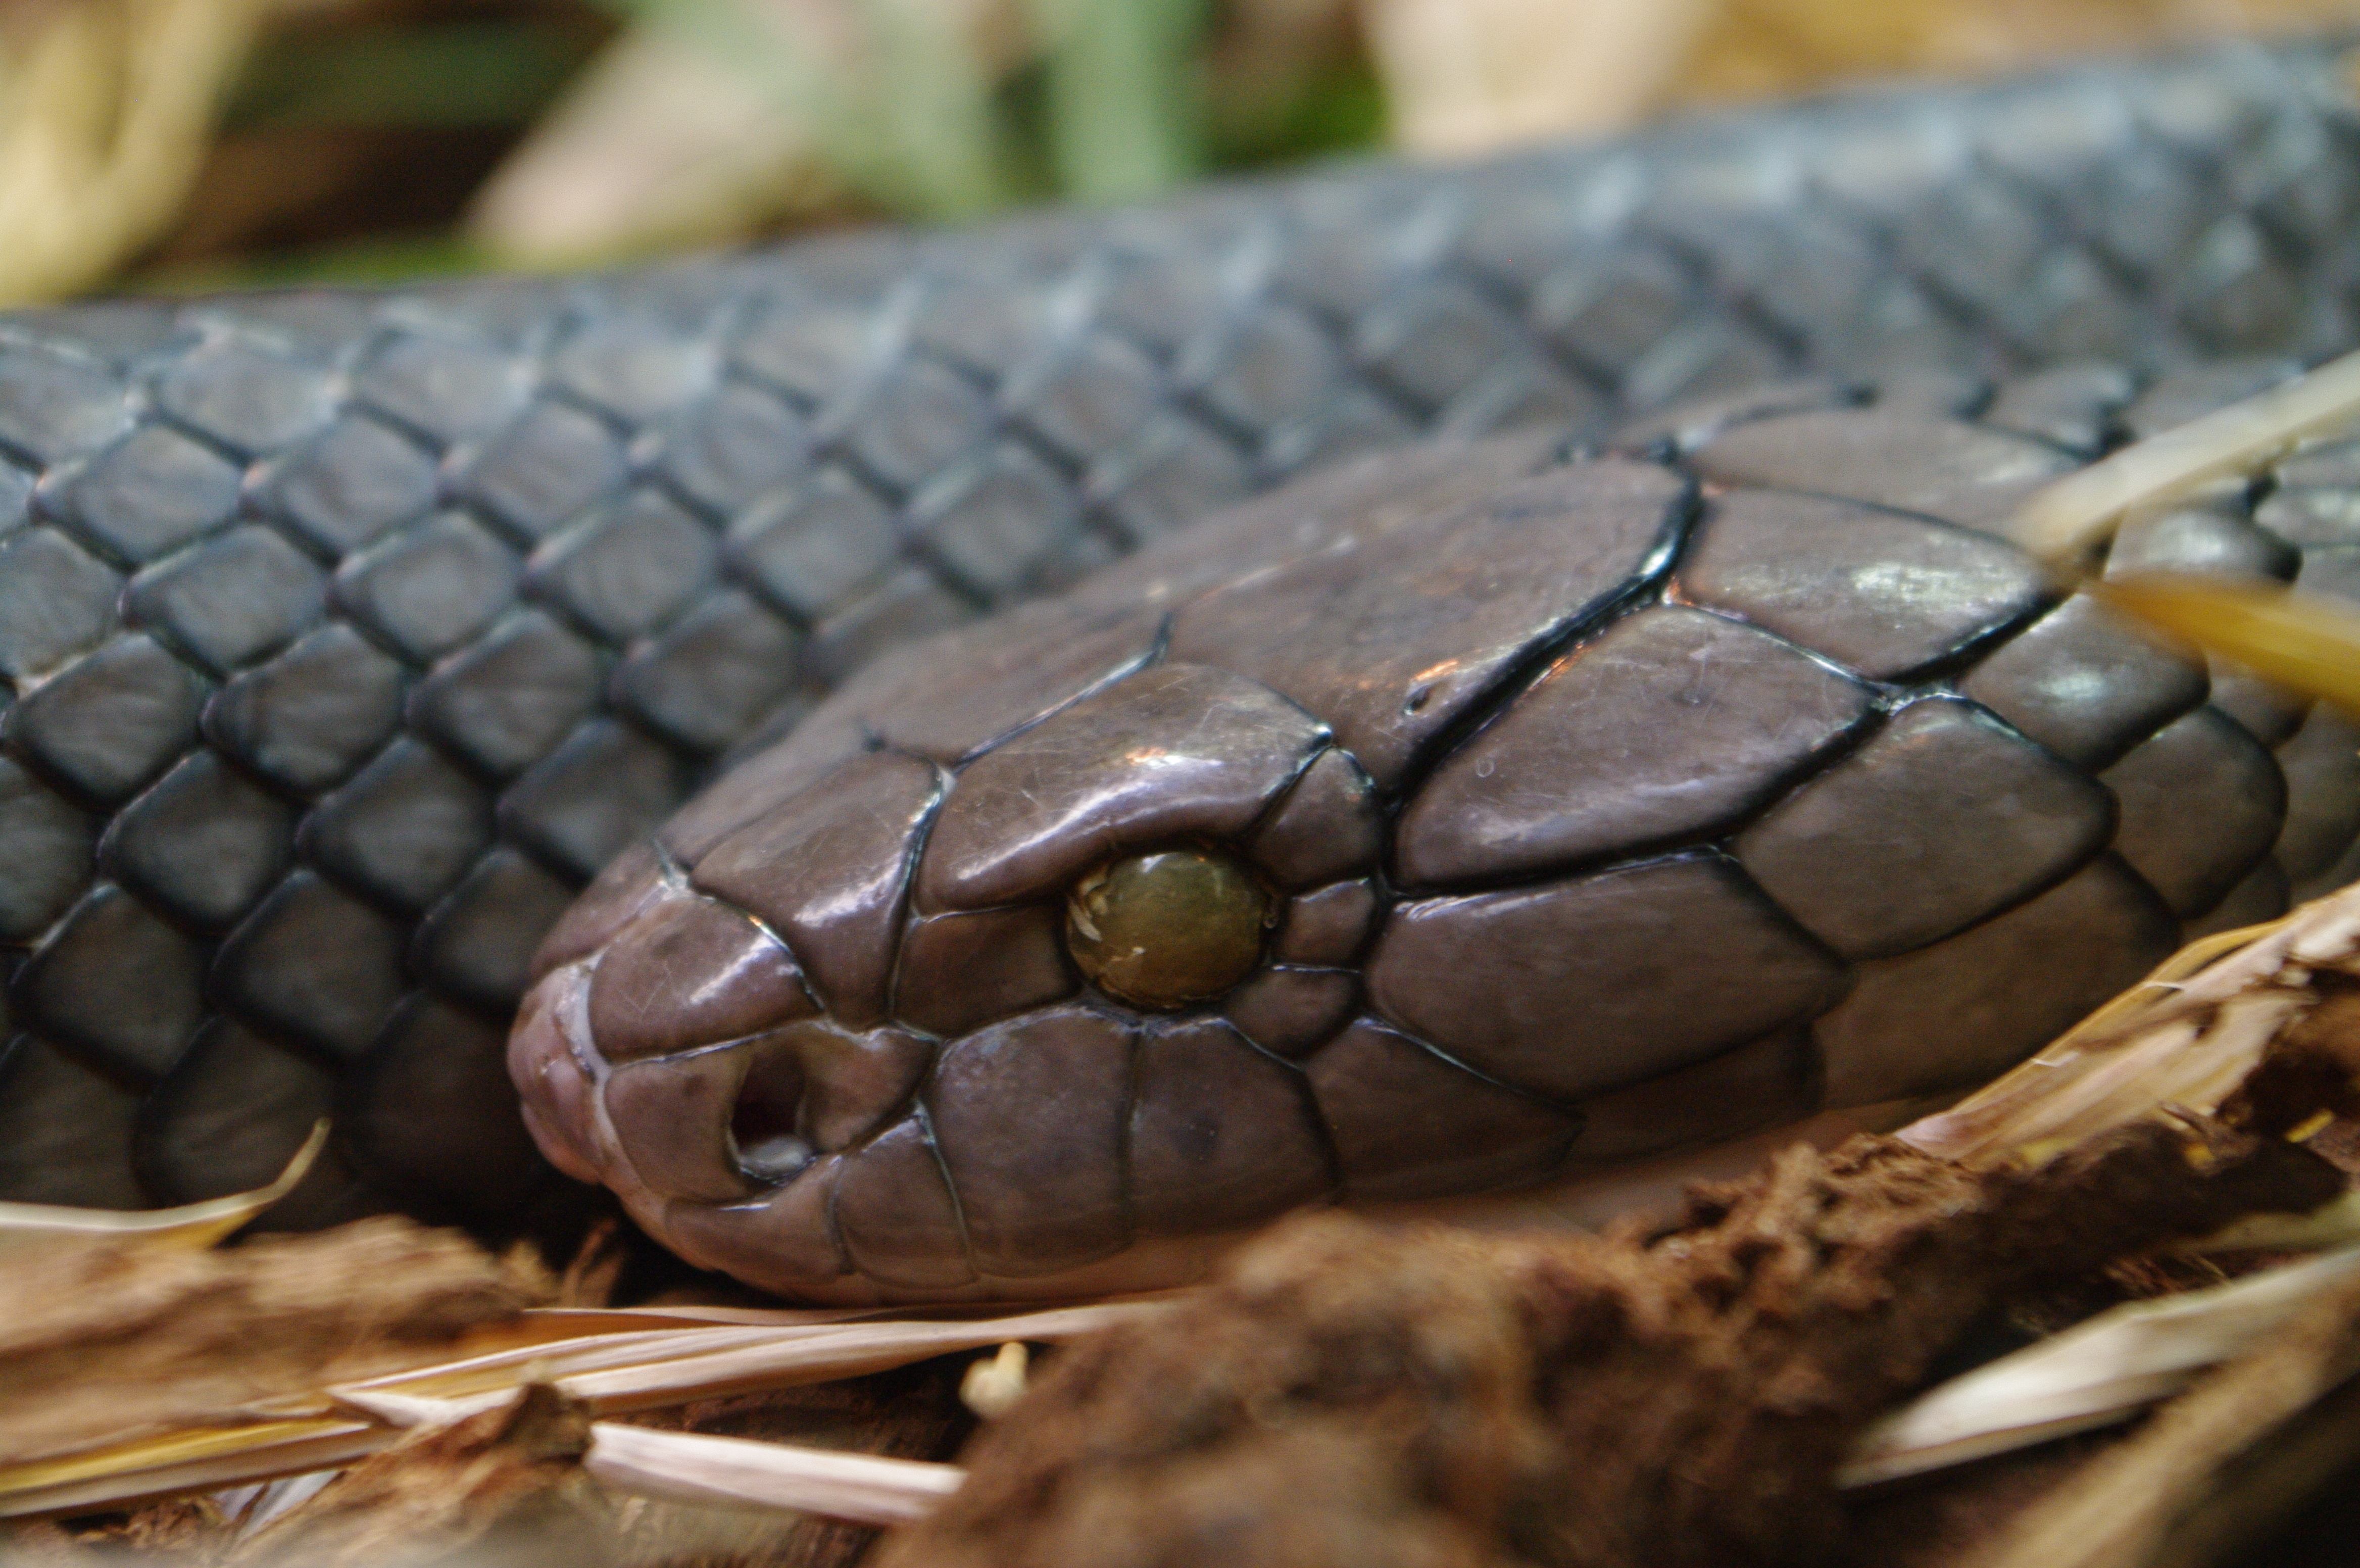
(109, 722)
(626, 569)
(1260, 371)
(1671, 723)
(349, 486)
(2264, 894)
(56, 601)
(1004, 523)
(308, 719)
(146, 498)
(1085, 397)
(230, 1116)
(423, 1112)
(1432, 341)
(1866, 856)
(1877, 592)
(477, 944)
(48, 847)
(313, 965)
(2200, 805)
(203, 845)
(404, 831)
(734, 447)
(431, 588)
(65, 1130)
(54, 408)
(2321, 765)
(446, 391)
(638, 370)
(2087, 683)
(909, 424)
(712, 675)
(243, 397)
(504, 702)
(808, 548)
(537, 474)
(114, 983)
(1173, 471)
(584, 803)
(230, 601)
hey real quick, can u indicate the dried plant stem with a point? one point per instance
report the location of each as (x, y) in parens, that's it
(689, 1467)
(2065, 519)
(2185, 1037)
(613, 1373)
(2215, 1468)
(2096, 1373)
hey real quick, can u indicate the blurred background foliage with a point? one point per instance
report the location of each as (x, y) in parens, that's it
(173, 144)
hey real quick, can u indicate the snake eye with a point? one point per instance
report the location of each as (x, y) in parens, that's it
(1164, 929)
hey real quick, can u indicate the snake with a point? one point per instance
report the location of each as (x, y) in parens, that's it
(1082, 733)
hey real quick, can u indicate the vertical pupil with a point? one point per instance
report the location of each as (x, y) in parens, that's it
(1169, 927)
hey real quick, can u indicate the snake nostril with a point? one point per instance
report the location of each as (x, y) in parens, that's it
(766, 1133)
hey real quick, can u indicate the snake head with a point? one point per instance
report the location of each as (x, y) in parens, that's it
(1439, 825)
(779, 1040)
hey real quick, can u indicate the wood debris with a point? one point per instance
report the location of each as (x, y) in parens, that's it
(1681, 1393)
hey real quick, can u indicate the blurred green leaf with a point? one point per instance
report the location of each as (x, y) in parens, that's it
(1124, 94)
(915, 123)
(1337, 108)
(437, 75)
(394, 259)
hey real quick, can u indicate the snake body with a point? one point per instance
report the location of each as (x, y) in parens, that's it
(348, 636)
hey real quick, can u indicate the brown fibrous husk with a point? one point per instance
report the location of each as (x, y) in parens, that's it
(102, 1337)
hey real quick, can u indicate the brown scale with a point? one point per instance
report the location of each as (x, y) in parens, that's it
(1455, 820)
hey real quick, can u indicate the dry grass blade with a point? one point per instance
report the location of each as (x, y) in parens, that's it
(2097, 1373)
(2216, 1470)
(612, 1371)
(2186, 1037)
(190, 1225)
(2065, 519)
(2303, 641)
(689, 1467)
(643, 1371)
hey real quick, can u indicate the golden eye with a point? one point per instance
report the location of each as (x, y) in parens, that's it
(1164, 929)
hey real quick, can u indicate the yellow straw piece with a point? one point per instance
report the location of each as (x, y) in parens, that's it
(2061, 522)
(192, 1225)
(2304, 641)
